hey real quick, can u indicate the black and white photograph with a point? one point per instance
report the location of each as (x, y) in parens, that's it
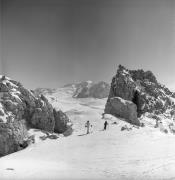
(87, 89)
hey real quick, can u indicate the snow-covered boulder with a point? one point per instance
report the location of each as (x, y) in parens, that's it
(21, 109)
(123, 108)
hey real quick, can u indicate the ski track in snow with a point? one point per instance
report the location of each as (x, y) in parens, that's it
(144, 153)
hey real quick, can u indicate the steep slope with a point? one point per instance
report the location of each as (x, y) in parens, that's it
(143, 90)
(21, 109)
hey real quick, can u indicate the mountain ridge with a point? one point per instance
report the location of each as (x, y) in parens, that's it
(83, 89)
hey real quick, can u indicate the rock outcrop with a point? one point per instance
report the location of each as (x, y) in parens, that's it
(12, 136)
(141, 88)
(125, 109)
(61, 121)
(21, 109)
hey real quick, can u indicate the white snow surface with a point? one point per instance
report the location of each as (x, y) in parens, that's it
(140, 153)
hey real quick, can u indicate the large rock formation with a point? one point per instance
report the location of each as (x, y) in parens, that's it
(21, 109)
(61, 121)
(142, 89)
(12, 136)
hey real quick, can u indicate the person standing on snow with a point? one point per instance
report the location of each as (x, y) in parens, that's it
(87, 125)
(105, 125)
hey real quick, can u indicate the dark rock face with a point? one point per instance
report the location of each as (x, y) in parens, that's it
(12, 135)
(61, 121)
(88, 89)
(42, 116)
(125, 109)
(142, 89)
(21, 109)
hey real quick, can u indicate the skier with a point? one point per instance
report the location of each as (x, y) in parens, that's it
(87, 125)
(105, 125)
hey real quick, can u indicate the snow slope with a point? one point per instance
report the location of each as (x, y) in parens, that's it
(144, 153)
(112, 154)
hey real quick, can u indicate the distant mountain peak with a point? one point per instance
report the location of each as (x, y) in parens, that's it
(90, 89)
(83, 89)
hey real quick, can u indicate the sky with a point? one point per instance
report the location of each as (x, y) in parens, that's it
(50, 43)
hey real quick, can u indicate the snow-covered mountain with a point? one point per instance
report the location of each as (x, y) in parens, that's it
(90, 89)
(83, 89)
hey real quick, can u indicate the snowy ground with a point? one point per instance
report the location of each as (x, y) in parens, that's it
(144, 153)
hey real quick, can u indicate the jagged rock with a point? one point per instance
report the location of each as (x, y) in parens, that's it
(43, 119)
(123, 128)
(3, 78)
(3, 88)
(21, 109)
(42, 116)
(69, 131)
(61, 121)
(141, 88)
(123, 108)
(12, 136)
